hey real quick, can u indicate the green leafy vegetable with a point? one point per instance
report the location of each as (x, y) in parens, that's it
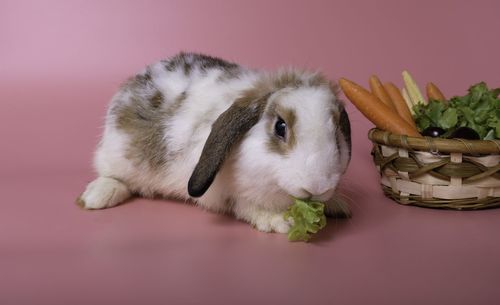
(479, 110)
(308, 218)
(449, 118)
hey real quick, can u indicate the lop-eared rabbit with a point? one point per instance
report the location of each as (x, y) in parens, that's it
(230, 139)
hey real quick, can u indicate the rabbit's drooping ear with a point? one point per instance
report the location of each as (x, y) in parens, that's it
(345, 128)
(227, 130)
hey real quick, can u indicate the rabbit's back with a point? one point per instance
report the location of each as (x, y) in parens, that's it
(159, 119)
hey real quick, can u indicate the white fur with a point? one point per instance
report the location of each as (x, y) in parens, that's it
(254, 183)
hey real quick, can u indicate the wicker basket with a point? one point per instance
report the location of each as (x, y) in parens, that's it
(438, 173)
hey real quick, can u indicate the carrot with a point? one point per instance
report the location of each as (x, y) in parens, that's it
(399, 103)
(376, 111)
(379, 91)
(433, 93)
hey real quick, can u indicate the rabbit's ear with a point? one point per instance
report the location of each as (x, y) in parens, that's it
(345, 128)
(227, 130)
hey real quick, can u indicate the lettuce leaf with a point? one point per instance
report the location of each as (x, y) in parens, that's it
(308, 218)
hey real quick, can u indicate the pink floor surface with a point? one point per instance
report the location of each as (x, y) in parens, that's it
(163, 252)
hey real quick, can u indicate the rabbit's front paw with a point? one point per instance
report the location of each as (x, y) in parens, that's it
(272, 222)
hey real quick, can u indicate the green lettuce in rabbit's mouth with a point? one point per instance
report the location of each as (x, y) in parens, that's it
(308, 218)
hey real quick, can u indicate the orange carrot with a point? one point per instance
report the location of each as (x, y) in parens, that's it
(376, 111)
(379, 91)
(433, 93)
(399, 103)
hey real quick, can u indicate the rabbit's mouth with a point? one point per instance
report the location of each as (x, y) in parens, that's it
(304, 194)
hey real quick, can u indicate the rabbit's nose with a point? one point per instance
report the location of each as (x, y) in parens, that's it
(306, 194)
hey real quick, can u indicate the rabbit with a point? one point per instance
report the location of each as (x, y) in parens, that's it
(228, 138)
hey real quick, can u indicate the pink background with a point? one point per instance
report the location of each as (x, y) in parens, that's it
(60, 62)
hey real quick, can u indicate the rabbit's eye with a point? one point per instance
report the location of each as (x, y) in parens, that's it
(280, 128)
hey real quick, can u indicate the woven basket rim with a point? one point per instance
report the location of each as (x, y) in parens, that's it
(434, 145)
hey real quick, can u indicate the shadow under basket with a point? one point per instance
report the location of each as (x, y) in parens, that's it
(438, 173)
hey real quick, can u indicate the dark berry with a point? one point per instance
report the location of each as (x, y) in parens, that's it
(433, 132)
